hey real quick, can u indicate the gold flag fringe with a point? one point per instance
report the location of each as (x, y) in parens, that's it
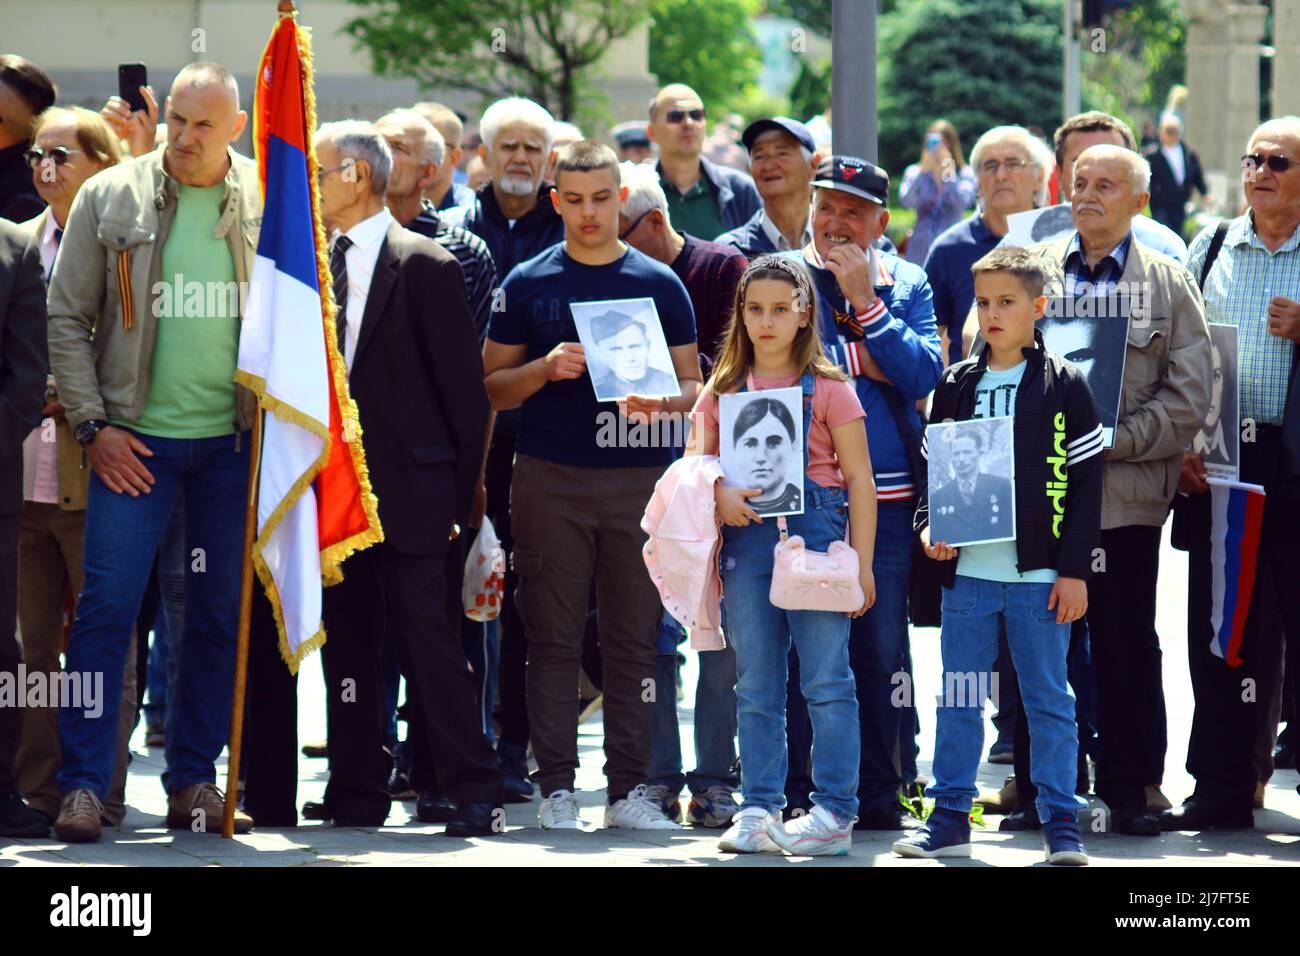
(332, 557)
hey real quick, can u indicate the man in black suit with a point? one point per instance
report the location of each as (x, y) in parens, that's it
(1175, 173)
(23, 366)
(415, 372)
(974, 506)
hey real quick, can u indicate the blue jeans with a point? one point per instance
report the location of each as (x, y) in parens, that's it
(715, 717)
(122, 536)
(1039, 647)
(169, 622)
(761, 635)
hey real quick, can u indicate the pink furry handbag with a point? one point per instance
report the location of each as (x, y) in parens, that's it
(804, 580)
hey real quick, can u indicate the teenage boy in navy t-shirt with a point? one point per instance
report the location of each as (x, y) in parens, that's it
(580, 489)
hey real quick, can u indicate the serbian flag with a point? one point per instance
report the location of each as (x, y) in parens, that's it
(1237, 515)
(315, 506)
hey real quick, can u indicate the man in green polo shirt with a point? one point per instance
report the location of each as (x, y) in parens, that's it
(704, 199)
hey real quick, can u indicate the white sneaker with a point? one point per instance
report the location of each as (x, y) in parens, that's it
(748, 832)
(559, 811)
(813, 834)
(637, 811)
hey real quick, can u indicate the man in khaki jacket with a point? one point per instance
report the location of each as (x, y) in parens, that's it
(145, 305)
(1167, 371)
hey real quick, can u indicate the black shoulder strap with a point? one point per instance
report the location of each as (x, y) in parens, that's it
(1216, 243)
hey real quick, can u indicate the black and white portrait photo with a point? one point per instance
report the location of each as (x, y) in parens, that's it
(627, 353)
(1097, 344)
(1218, 440)
(760, 436)
(972, 481)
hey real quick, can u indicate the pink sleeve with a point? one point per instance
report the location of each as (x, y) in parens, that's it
(705, 411)
(841, 402)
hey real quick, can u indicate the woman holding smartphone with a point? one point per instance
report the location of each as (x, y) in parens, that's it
(941, 187)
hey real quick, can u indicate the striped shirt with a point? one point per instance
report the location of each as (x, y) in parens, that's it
(1243, 280)
(472, 254)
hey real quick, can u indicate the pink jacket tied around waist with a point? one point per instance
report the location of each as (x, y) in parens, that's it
(685, 541)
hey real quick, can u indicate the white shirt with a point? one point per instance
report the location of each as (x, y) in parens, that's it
(367, 236)
(778, 240)
(1174, 157)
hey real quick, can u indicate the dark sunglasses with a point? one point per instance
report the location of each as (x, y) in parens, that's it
(635, 222)
(58, 155)
(1276, 162)
(677, 116)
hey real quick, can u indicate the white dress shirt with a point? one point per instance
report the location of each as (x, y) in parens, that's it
(778, 240)
(367, 236)
(1174, 157)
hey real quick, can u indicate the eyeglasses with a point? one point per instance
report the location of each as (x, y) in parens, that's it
(58, 155)
(677, 116)
(635, 222)
(323, 174)
(1277, 162)
(1012, 165)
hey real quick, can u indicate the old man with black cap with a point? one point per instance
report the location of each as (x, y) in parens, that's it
(876, 317)
(783, 161)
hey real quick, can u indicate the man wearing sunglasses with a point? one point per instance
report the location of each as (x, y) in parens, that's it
(146, 376)
(704, 199)
(1249, 270)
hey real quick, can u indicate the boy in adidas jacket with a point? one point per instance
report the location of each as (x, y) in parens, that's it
(1036, 584)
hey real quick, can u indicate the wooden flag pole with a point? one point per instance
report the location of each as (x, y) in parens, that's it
(241, 639)
(285, 8)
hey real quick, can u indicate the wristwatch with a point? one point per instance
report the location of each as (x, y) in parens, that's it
(85, 432)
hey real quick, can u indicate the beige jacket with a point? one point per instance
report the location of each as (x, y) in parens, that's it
(1167, 372)
(101, 303)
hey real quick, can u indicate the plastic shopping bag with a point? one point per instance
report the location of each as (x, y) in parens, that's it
(485, 576)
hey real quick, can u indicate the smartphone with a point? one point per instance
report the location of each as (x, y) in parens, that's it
(130, 77)
(932, 141)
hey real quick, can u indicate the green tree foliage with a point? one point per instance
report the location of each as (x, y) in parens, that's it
(543, 49)
(709, 47)
(810, 93)
(976, 63)
(1130, 65)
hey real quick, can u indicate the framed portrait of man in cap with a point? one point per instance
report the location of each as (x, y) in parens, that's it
(972, 481)
(627, 353)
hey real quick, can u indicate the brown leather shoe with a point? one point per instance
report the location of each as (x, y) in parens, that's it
(80, 817)
(1000, 801)
(1157, 802)
(201, 808)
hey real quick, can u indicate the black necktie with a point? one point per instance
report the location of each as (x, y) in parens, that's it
(339, 270)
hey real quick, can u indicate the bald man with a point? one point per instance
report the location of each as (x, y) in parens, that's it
(704, 199)
(146, 378)
(1167, 371)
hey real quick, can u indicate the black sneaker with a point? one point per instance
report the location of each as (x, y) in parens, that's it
(514, 773)
(434, 807)
(1019, 821)
(17, 819)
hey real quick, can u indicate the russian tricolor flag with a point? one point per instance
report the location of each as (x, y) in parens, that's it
(315, 506)
(1237, 515)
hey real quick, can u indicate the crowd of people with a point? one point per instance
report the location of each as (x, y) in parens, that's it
(457, 251)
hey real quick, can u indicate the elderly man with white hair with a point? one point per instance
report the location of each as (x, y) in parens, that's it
(1249, 271)
(1167, 371)
(709, 270)
(1012, 167)
(514, 215)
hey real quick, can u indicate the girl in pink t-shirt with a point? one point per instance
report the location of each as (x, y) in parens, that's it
(772, 342)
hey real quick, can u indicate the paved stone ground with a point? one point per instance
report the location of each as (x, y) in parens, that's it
(145, 841)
